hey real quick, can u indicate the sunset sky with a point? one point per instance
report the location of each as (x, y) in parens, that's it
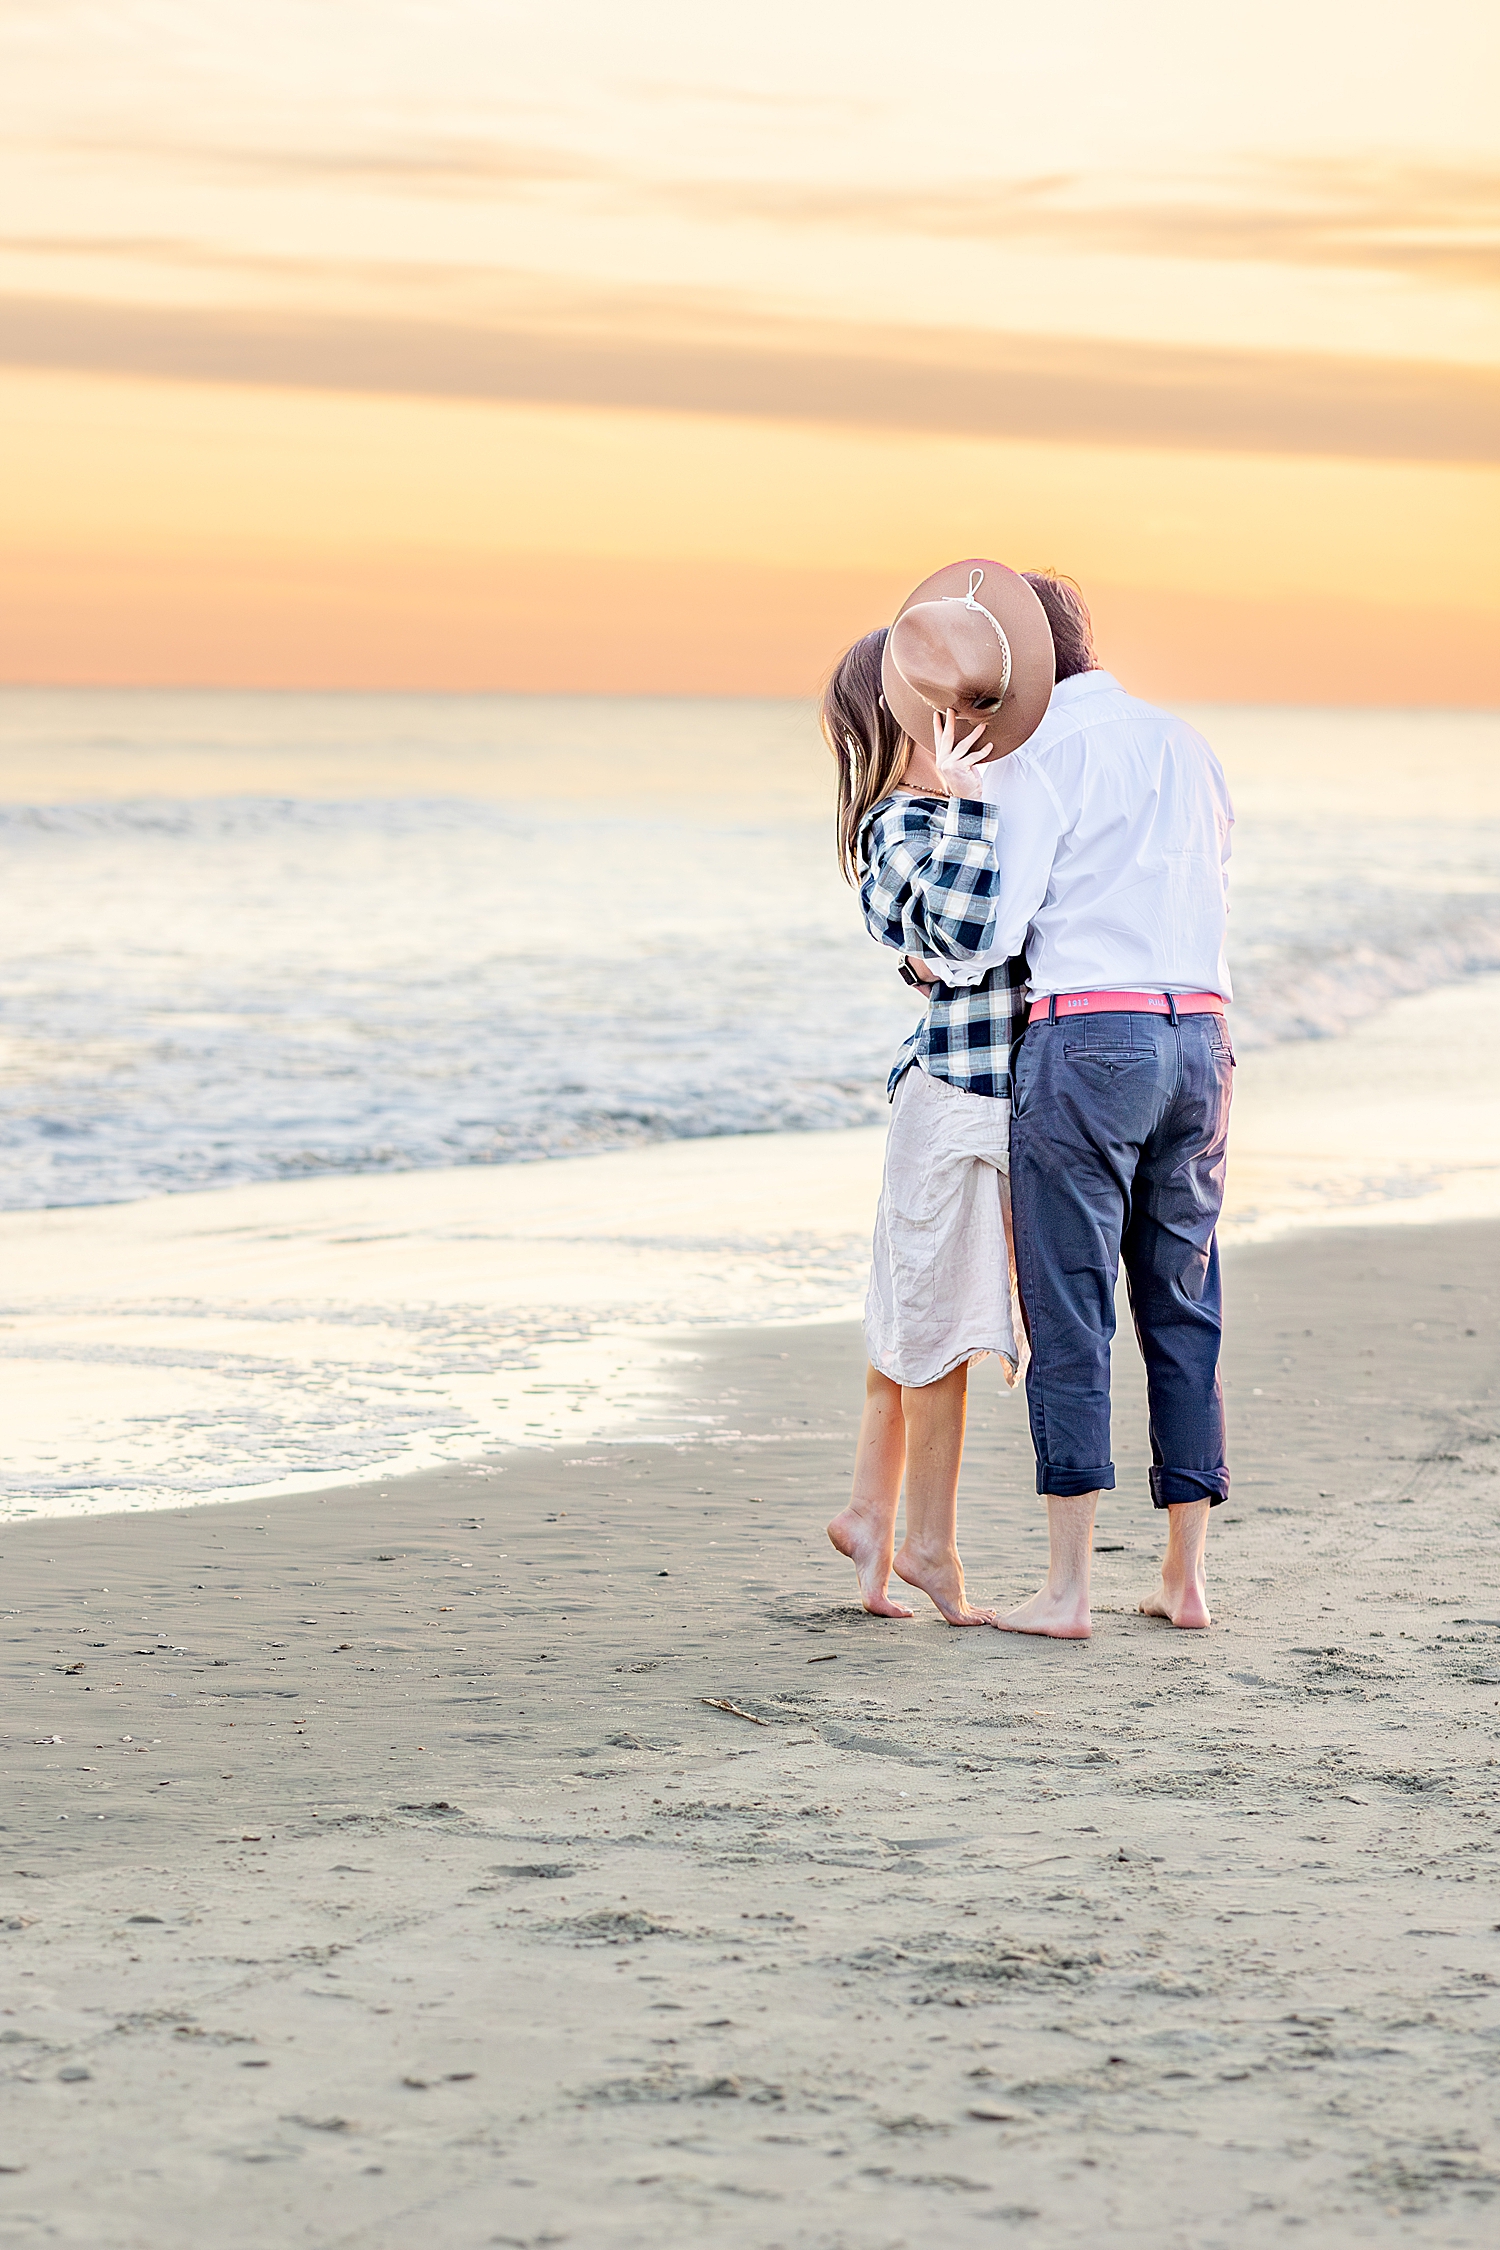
(458, 344)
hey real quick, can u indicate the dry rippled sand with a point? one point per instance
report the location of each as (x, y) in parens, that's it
(373, 1870)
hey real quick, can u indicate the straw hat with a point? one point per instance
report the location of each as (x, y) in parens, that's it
(975, 639)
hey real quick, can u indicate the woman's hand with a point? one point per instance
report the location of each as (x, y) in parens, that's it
(958, 763)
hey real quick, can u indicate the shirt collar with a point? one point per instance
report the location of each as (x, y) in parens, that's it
(1082, 684)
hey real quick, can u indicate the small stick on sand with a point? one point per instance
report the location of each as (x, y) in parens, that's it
(722, 1703)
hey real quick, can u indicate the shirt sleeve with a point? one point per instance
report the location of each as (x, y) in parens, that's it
(930, 883)
(1031, 828)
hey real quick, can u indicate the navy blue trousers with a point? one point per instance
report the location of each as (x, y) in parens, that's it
(1118, 1133)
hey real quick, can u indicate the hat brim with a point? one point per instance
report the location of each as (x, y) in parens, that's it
(1033, 660)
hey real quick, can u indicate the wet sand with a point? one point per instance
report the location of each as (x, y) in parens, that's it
(442, 1899)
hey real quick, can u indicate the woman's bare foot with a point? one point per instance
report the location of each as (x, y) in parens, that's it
(869, 1546)
(1183, 1599)
(941, 1578)
(1061, 1617)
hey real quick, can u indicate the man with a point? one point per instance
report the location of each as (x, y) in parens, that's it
(1113, 848)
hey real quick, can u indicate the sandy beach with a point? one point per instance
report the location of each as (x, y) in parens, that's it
(375, 1925)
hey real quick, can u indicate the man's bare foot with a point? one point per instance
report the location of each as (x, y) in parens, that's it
(1060, 1612)
(1060, 1617)
(870, 1550)
(1184, 1605)
(941, 1579)
(1183, 1599)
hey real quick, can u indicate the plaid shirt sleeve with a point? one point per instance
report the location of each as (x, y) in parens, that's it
(929, 881)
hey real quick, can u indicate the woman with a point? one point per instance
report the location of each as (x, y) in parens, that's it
(915, 836)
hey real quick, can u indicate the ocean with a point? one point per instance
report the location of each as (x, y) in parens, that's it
(312, 949)
(262, 937)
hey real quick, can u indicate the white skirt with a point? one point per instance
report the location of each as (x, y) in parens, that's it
(942, 1276)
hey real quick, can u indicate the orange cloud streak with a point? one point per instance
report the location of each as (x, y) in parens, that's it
(961, 383)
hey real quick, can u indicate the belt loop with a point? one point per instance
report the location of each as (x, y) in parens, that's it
(1052, 1009)
(1172, 1009)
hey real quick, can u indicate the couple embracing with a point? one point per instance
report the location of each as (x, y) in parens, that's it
(1050, 856)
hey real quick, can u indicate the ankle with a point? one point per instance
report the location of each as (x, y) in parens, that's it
(933, 1555)
(1068, 1587)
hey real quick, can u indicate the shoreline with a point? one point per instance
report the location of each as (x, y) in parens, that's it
(253, 1342)
(425, 1801)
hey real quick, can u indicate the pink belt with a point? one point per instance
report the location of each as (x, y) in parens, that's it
(1126, 1003)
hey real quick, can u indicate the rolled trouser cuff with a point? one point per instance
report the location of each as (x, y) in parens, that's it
(1071, 1484)
(1171, 1488)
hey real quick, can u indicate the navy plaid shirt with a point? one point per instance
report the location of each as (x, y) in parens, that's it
(929, 884)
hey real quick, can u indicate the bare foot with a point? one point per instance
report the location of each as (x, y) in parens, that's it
(1184, 1605)
(1183, 1599)
(870, 1549)
(941, 1579)
(1060, 1617)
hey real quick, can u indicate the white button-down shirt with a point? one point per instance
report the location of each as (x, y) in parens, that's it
(1115, 823)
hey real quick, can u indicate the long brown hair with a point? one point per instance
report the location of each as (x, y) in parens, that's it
(869, 749)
